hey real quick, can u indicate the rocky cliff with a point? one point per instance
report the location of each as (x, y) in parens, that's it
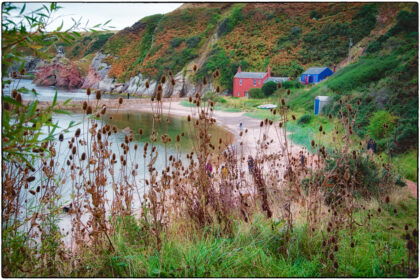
(59, 72)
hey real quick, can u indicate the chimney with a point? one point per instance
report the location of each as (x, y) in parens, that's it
(268, 71)
(239, 69)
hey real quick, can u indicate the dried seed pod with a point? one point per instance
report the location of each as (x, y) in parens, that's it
(283, 102)
(14, 93)
(294, 117)
(387, 199)
(83, 157)
(84, 106)
(189, 118)
(77, 133)
(173, 81)
(279, 85)
(204, 81)
(98, 95)
(288, 91)
(320, 128)
(120, 100)
(89, 110)
(195, 67)
(30, 179)
(163, 79)
(14, 75)
(61, 137)
(141, 131)
(88, 91)
(218, 89)
(147, 84)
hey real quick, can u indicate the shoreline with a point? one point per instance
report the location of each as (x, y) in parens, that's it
(226, 120)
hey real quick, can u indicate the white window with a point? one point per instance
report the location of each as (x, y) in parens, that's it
(240, 82)
(255, 82)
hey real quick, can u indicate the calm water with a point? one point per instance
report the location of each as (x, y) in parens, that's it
(172, 126)
(47, 93)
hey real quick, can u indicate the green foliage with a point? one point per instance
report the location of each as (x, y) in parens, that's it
(269, 88)
(329, 45)
(304, 119)
(290, 69)
(98, 43)
(229, 23)
(219, 60)
(377, 122)
(193, 41)
(211, 95)
(291, 84)
(406, 165)
(256, 93)
(315, 15)
(175, 42)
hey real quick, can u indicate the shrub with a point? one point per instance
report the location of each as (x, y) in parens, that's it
(175, 42)
(192, 42)
(269, 88)
(315, 15)
(291, 84)
(304, 119)
(221, 100)
(377, 122)
(256, 93)
(210, 95)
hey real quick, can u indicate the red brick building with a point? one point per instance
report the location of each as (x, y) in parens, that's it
(244, 81)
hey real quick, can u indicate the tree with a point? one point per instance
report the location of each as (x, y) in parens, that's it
(269, 88)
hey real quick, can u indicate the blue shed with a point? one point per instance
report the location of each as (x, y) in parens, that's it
(320, 101)
(315, 75)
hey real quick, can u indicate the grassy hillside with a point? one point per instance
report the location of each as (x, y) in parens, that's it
(289, 37)
(384, 79)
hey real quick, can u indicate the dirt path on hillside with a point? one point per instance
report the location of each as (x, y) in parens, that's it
(412, 187)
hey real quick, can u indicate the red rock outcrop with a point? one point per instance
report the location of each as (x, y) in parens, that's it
(60, 73)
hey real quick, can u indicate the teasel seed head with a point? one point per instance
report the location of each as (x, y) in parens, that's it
(14, 93)
(336, 265)
(195, 67)
(120, 100)
(77, 133)
(387, 199)
(61, 137)
(204, 81)
(163, 79)
(98, 95)
(331, 256)
(14, 75)
(84, 106)
(89, 110)
(83, 157)
(379, 210)
(147, 84)
(173, 81)
(294, 117)
(352, 244)
(218, 89)
(279, 85)
(283, 102)
(406, 227)
(189, 118)
(320, 128)
(88, 91)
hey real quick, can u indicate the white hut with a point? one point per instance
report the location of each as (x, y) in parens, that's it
(321, 101)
